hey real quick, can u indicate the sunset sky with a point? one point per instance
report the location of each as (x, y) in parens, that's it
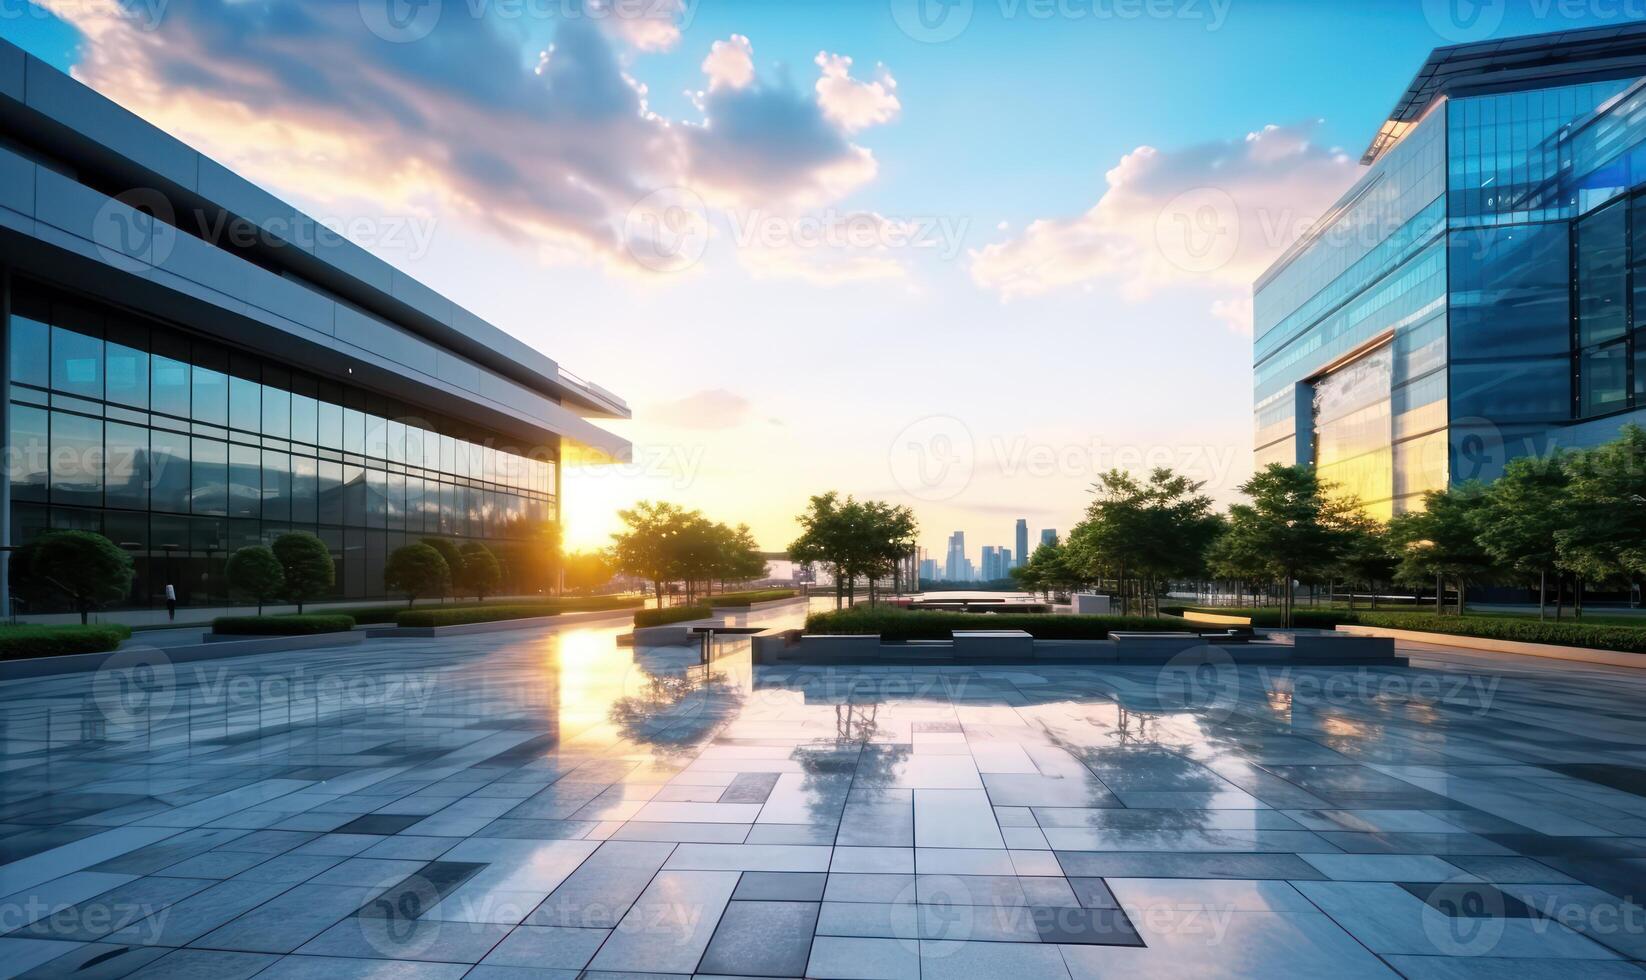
(959, 257)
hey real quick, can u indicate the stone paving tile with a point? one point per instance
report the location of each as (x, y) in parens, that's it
(938, 823)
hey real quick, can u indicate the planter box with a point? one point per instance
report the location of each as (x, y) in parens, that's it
(823, 647)
(1343, 648)
(1155, 648)
(1090, 604)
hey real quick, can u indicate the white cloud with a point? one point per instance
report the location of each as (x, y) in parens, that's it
(714, 408)
(854, 104)
(1215, 214)
(730, 63)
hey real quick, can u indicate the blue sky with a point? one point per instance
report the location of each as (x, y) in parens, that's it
(938, 277)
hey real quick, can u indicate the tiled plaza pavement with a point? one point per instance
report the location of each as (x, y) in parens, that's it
(536, 804)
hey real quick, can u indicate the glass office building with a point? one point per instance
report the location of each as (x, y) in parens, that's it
(188, 395)
(1471, 298)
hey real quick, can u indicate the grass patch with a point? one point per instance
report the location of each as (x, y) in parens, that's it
(904, 624)
(673, 614)
(29, 642)
(309, 624)
(750, 598)
(435, 616)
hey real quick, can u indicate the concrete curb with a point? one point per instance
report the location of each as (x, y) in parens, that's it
(78, 663)
(1475, 644)
(500, 626)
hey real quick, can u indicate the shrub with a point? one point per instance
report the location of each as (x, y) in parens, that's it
(673, 614)
(464, 615)
(416, 570)
(307, 565)
(1624, 639)
(28, 642)
(453, 557)
(300, 625)
(750, 598)
(254, 571)
(478, 571)
(903, 624)
(84, 566)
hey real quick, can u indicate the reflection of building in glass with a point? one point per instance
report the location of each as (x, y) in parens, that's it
(205, 379)
(1469, 300)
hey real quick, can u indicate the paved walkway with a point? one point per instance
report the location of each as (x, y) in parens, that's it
(543, 803)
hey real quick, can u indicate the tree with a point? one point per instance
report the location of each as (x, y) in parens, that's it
(1521, 517)
(1047, 570)
(87, 568)
(449, 552)
(587, 570)
(1292, 528)
(742, 561)
(826, 539)
(1143, 533)
(306, 564)
(647, 549)
(416, 570)
(537, 560)
(254, 571)
(854, 539)
(1440, 543)
(479, 572)
(1605, 537)
(1365, 558)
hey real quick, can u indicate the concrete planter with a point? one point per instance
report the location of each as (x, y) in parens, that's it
(1155, 648)
(993, 645)
(815, 647)
(1343, 648)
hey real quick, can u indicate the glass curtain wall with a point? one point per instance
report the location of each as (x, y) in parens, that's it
(181, 451)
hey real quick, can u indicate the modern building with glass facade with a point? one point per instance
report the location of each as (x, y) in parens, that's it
(1474, 296)
(195, 366)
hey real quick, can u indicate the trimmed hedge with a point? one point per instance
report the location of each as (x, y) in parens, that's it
(308, 624)
(434, 616)
(903, 624)
(673, 614)
(750, 598)
(1623, 639)
(29, 642)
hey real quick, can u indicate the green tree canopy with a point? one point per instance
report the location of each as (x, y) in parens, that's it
(854, 539)
(1605, 536)
(449, 552)
(1143, 532)
(479, 573)
(1293, 528)
(416, 570)
(306, 563)
(1519, 521)
(254, 571)
(88, 569)
(587, 570)
(1440, 543)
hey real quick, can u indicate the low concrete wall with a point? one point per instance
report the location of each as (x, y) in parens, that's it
(1342, 648)
(501, 626)
(77, 663)
(1476, 644)
(993, 645)
(1090, 604)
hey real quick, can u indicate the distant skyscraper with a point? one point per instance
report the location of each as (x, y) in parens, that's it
(991, 563)
(1022, 541)
(1049, 536)
(928, 569)
(954, 569)
(1006, 564)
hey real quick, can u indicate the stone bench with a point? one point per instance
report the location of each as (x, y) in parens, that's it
(1153, 648)
(1342, 648)
(993, 645)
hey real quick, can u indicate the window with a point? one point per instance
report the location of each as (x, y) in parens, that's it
(1602, 276)
(169, 471)
(211, 396)
(1603, 376)
(76, 460)
(354, 432)
(76, 363)
(304, 490)
(305, 419)
(245, 481)
(30, 453)
(169, 386)
(276, 486)
(210, 469)
(30, 351)
(127, 458)
(126, 364)
(331, 425)
(245, 404)
(276, 412)
(331, 492)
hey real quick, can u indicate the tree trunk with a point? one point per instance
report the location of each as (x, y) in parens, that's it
(1542, 594)
(1560, 596)
(1462, 586)
(1440, 596)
